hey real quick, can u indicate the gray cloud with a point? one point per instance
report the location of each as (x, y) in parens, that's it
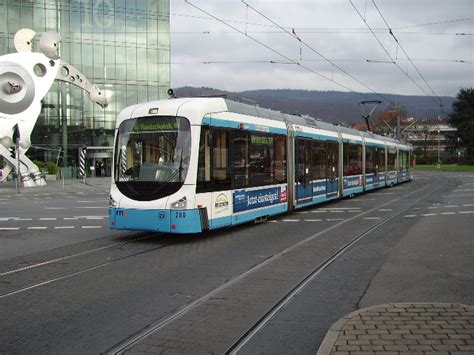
(335, 30)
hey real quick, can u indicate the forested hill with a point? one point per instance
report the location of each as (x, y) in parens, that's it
(330, 106)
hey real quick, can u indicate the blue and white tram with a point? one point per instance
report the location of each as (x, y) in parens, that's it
(190, 165)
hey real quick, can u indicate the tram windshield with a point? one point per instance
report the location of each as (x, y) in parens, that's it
(152, 156)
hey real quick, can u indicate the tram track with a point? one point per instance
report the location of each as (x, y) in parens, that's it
(254, 329)
(82, 270)
(286, 299)
(64, 258)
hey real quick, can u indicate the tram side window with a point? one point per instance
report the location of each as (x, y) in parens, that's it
(352, 159)
(213, 169)
(370, 160)
(392, 159)
(381, 159)
(318, 152)
(280, 159)
(303, 155)
(403, 160)
(241, 159)
(259, 159)
(311, 160)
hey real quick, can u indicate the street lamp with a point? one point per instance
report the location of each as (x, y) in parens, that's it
(439, 139)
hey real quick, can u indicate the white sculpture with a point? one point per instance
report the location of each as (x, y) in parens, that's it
(25, 79)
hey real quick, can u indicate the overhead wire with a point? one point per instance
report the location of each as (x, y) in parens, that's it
(390, 56)
(321, 31)
(329, 29)
(435, 23)
(274, 50)
(295, 36)
(408, 57)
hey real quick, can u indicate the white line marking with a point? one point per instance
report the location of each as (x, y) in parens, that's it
(446, 213)
(272, 221)
(91, 227)
(91, 217)
(334, 219)
(313, 220)
(428, 214)
(71, 218)
(385, 209)
(433, 207)
(64, 227)
(410, 216)
(7, 218)
(468, 205)
(9, 228)
(290, 220)
(465, 212)
(454, 195)
(23, 219)
(338, 208)
(372, 217)
(55, 208)
(48, 219)
(37, 228)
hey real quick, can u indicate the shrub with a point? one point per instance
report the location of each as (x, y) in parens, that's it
(39, 164)
(52, 168)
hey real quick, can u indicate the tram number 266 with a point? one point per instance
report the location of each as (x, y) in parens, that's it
(180, 215)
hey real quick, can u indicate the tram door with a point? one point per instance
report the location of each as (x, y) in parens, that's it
(332, 154)
(304, 186)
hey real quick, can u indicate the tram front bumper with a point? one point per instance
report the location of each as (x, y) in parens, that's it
(166, 221)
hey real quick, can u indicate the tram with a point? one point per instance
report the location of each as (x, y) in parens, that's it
(189, 165)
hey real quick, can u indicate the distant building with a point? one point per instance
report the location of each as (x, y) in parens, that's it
(430, 137)
(122, 46)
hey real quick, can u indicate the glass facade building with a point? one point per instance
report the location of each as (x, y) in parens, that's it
(122, 46)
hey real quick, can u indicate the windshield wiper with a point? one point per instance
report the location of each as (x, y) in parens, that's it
(178, 171)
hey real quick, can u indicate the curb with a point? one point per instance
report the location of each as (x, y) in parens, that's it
(336, 329)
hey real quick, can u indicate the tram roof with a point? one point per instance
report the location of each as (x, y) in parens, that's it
(257, 111)
(303, 120)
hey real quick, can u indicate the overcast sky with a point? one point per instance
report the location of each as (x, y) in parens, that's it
(427, 30)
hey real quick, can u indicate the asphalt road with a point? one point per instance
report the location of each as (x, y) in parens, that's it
(273, 288)
(36, 222)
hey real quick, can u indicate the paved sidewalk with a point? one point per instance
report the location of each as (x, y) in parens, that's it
(397, 328)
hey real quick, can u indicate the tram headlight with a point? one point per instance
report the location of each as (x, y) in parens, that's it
(180, 204)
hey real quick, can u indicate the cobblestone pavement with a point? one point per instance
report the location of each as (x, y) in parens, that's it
(398, 328)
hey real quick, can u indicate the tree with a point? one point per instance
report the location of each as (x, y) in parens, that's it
(462, 118)
(386, 122)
